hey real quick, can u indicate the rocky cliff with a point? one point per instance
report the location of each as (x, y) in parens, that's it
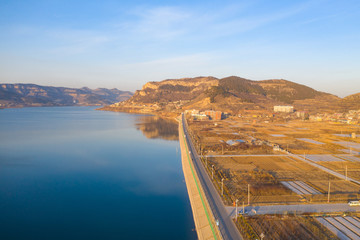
(232, 94)
(172, 90)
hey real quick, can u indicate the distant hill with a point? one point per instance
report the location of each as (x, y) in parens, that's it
(351, 102)
(231, 94)
(25, 95)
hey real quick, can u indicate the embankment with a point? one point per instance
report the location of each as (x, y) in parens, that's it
(204, 220)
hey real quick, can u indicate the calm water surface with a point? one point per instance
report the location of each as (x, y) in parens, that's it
(76, 173)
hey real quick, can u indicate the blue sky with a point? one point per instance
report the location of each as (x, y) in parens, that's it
(124, 44)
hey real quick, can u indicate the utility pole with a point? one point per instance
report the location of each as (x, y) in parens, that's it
(346, 172)
(329, 193)
(248, 194)
(236, 209)
(206, 161)
(222, 187)
(222, 147)
(212, 170)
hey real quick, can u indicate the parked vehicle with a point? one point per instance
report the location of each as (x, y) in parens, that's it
(354, 203)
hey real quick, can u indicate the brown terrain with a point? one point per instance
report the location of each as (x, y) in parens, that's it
(232, 95)
(260, 164)
(258, 153)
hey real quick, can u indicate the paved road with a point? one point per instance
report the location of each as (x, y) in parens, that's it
(302, 208)
(226, 225)
(264, 155)
(324, 168)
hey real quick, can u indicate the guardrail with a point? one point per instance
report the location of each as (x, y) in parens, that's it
(204, 201)
(212, 205)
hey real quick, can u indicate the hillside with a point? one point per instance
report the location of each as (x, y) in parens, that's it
(25, 95)
(172, 90)
(231, 94)
(352, 101)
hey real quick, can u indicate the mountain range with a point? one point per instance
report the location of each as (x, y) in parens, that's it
(172, 96)
(231, 94)
(31, 95)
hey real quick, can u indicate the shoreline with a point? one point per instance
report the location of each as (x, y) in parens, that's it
(14, 107)
(163, 114)
(204, 220)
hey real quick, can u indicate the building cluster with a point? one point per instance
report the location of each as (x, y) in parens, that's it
(205, 115)
(351, 117)
(285, 109)
(214, 115)
(304, 115)
(174, 104)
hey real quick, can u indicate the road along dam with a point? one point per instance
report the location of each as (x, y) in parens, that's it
(212, 221)
(205, 222)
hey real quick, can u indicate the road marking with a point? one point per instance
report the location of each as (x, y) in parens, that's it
(197, 185)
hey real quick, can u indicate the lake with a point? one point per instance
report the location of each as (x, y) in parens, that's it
(77, 173)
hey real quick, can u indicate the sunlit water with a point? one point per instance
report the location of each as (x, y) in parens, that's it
(77, 173)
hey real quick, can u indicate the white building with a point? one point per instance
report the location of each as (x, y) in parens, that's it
(286, 109)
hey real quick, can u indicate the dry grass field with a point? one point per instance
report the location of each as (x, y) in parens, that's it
(352, 168)
(285, 134)
(264, 174)
(282, 227)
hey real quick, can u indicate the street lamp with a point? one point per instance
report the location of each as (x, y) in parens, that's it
(222, 187)
(212, 170)
(346, 178)
(236, 213)
(248, 194)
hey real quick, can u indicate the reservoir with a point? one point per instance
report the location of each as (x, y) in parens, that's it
(77, 173)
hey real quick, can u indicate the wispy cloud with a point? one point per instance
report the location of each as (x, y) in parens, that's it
(168, 23)
(77, 41)
(163, 23)
(62, 41)
(240, 25)
(146, 27)
(322, 18)
(191, 60)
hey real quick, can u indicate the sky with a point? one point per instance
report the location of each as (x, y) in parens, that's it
(124, 44)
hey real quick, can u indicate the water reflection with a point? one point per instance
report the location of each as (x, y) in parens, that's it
(85, 174)
(156, 127)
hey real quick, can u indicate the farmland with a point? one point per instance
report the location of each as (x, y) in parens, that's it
(264, 176)
(261, 162)
(260, 165)
(282, 227)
